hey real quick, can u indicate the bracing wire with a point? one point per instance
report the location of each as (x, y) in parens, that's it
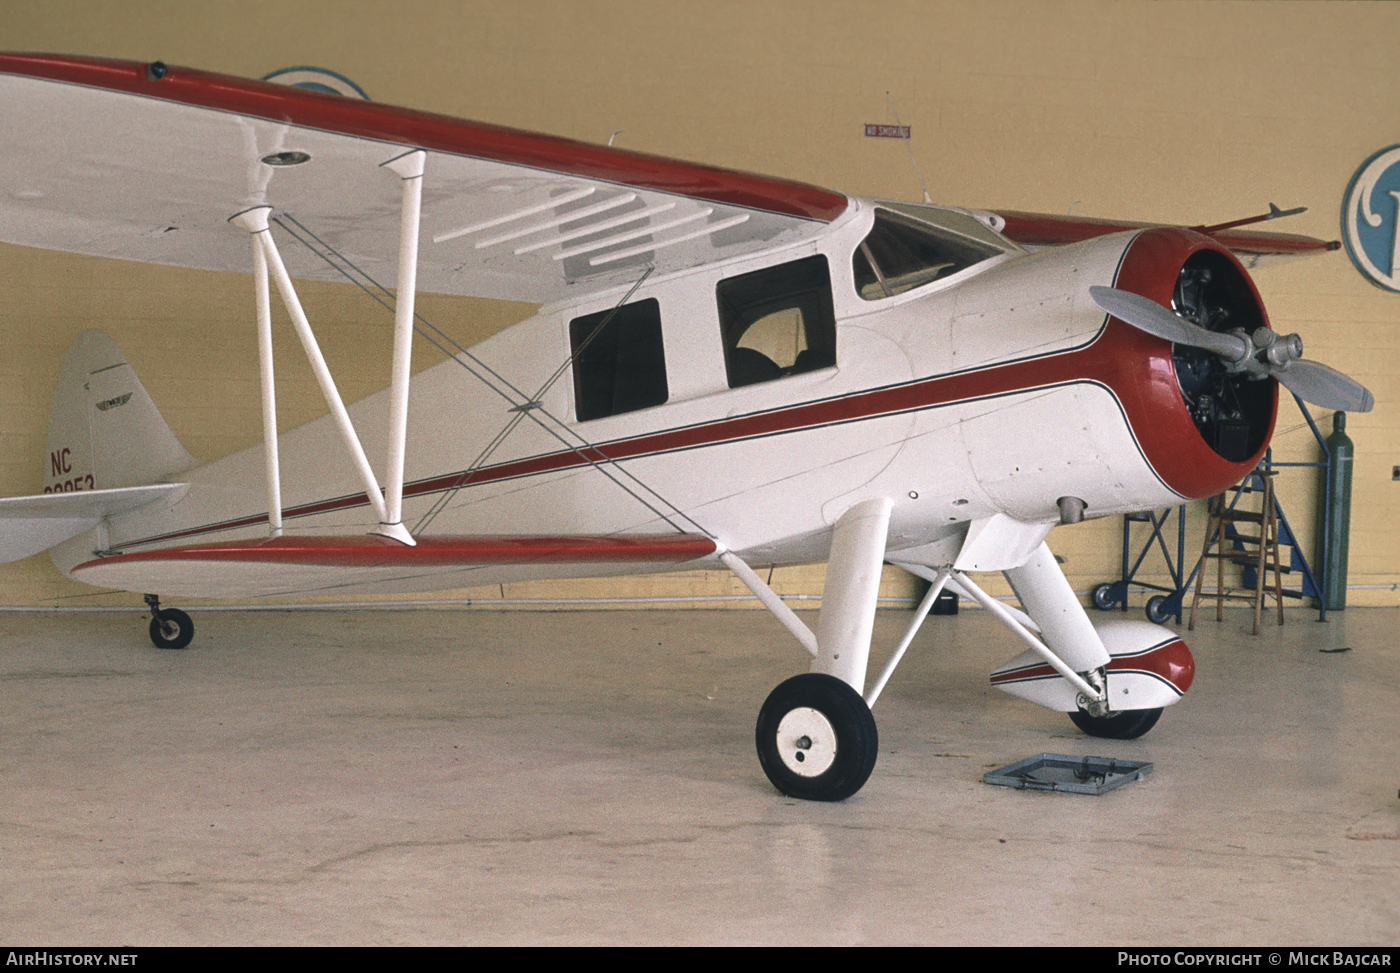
(521, 404)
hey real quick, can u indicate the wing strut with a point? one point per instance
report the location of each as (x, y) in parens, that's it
(409, 168)
(771, 600)
(269, 391)
(255, 222)
(387, 505)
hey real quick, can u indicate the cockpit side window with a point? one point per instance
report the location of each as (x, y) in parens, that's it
(900, 254)
(777, 321)
(619, 360)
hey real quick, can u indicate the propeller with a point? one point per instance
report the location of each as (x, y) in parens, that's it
(1263, 354)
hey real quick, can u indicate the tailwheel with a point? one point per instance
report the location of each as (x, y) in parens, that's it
(170, 627)
(816, 738)
(1127, 725)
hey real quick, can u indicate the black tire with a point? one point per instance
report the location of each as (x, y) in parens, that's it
(1102, 597)
(171, 629)
(1157, 609)
(833, 742)
(1120, 726)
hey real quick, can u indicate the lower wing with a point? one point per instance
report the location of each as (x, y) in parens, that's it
(308, 565)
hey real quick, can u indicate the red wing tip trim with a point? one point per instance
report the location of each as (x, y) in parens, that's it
(370, 551)
(361, 119)
(1048, 230)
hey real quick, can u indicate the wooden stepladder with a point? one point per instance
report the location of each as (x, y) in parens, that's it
(1257, 547)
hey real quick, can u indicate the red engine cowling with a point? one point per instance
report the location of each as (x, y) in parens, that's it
(1200, 427)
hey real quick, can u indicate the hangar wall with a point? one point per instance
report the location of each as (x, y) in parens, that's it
(1182, 112)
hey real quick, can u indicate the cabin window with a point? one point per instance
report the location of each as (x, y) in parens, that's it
(777, 321)
(901, 254)
(619, 361)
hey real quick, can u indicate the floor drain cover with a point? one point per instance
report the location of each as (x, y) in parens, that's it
(1062, 772)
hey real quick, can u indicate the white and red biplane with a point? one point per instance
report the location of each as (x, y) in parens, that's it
(727, 370)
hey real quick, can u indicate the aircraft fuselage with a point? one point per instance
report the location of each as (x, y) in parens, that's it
(999, 388)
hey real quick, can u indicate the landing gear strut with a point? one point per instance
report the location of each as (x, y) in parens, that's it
(170, 627)
(816, 737)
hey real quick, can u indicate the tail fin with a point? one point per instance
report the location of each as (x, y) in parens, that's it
(104, 430)
(109, 449)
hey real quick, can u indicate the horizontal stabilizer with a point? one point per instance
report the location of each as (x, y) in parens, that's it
(32, 524)
(288, 565)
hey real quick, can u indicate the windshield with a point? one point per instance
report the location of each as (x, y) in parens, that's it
(902, 253)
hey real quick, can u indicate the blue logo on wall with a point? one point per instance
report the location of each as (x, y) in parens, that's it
(1371, 218)
(318, 79)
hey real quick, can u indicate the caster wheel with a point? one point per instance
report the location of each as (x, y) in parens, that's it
(1157, 609)
(1102, 597)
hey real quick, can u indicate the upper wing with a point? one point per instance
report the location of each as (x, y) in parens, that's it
(1045, 230)
(102, 157)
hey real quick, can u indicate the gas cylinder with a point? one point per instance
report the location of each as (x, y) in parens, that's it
(1335, 512)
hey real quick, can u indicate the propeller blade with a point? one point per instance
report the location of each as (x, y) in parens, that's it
(1314, 382)
(1324, 386)
(1149, 316)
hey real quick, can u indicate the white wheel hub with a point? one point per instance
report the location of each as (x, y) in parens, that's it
(806, 742)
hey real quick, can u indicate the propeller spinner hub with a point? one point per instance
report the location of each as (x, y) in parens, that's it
(1281, 349)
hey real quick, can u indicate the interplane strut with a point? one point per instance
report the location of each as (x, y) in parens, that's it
(409, 168)
(387, 503)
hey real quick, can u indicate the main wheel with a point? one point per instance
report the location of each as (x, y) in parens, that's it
(816, 738)
(1128, 725)
(1102, 597)
(171, 629)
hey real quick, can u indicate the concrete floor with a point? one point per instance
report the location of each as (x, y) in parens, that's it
(470, 777)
